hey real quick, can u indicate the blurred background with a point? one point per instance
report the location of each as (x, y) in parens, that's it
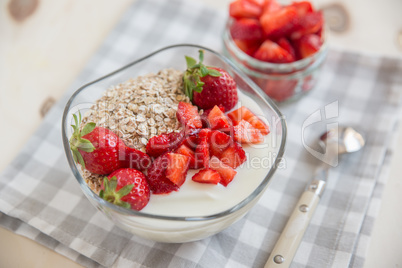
(45, 44)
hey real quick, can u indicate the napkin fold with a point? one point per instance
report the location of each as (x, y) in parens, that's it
(40, 198)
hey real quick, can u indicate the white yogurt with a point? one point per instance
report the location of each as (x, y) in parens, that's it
(199, 199)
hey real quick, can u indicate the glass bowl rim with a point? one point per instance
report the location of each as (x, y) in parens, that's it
(130, 212)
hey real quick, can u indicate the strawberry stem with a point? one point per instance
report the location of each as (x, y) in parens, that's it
(111, 195)
(194, 72)
(77, 142)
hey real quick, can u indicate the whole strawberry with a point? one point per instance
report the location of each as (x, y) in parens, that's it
(100, 151)
(127, 188)
(209, 86)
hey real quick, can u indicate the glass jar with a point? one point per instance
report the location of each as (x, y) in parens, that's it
(280, 81)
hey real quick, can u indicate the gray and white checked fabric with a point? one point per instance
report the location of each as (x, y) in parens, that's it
(40, 199)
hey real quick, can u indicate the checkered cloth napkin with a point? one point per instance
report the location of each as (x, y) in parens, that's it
(40, 198)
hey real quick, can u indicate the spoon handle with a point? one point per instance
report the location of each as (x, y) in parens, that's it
(289, 241)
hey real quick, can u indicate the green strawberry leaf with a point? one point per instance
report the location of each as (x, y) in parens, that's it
(76, 120)
(195, 71)
(190, 61)
(75, 156)
(80, 159)
(201, 57)
(88, 128)
(109, 193)
(214, 73)
(125, 190)
(204, 71)
(85, 145)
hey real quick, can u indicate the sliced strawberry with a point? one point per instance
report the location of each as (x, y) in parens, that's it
(302, 7)
(286, 45)
(244, 9)
(204, 116)
(191, 138)
(218, 142)
(246, 29)
(248, 47)
(207, 176)
(136, 159)
(158, 145)
(240, 114)
(279, 23)
(244, 132)
(202, 153)
(308, 45)
(270, 51)
(184, 150)
(234, 155)
(177, 168)
(158, 183)
(217, 119)
(187, 114)
(259, 3)
(244, 113)
(226, 172)
(270, 6)
(310, 23)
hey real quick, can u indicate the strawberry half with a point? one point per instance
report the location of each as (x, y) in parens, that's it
(271, 52)
(156, 176)
(187, 114)
(246, 29)
(218, 120)
(209, 86)
(177, 168)
(243, 113)
(310, 23)
(244, 9)
(279, 23)
(207, 176)
(308, 45)
(234, 155)
(163, 143)
(286, 45)
(248, 47)
(244, 132)
(303, 7)
(218, 142)
(226, 172)
(184, 150)
(127, 188)
(136, 159)
(202, 151)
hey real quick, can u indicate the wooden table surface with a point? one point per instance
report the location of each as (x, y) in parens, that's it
(45, 44)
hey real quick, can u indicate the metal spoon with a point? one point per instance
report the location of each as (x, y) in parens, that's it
(334, 142)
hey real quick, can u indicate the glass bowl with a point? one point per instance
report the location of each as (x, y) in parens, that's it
(280, 81)
(170, 228)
